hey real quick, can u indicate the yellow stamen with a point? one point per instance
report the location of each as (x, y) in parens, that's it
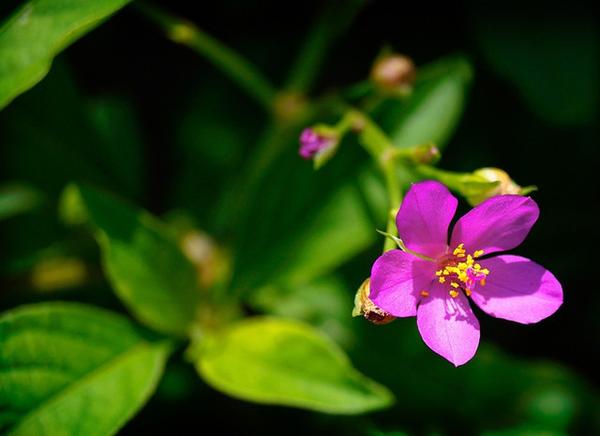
(459, 250)
(462, 269)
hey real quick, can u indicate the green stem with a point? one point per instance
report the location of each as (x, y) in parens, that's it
(381, 149)
(394, 198)
(238, 69)
(330, 24)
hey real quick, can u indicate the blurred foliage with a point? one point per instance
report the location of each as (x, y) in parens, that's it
(37, 32)
(123, 111)
(277, 361)
(62, 364)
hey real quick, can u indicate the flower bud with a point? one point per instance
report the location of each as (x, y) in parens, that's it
(365, 307)
(393, 72)
(210, 261)
(58, 273)
(289, 106)
(503, 184)
(315, 141)
(425, 154)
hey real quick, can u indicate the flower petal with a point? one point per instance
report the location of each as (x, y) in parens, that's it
(397, 279)
(448, 325)
(424, 217)
(498, 224)
(518, 289)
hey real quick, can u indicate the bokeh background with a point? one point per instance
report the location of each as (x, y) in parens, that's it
(187, 131)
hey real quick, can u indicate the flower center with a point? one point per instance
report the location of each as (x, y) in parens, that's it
(461, 271)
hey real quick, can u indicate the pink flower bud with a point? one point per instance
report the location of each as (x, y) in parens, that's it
(313, 142)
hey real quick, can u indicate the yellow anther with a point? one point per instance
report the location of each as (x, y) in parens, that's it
(459, 250)
(425, 293)
(460, 270)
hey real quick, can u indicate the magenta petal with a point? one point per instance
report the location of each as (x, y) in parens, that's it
(397, 278)
(424, 217)
(448, 325)
(498, 224)
(518, 289)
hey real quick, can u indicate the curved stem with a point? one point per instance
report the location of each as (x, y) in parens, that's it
(246, 75)
(330, 24)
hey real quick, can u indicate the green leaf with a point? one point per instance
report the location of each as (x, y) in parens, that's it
(54, 135)
(434, 109)
(277, 361)
(37, 32)
(68, 368)
(324, 303)
(120, 139)
(318, 221)
(144, 264)
(16, 199)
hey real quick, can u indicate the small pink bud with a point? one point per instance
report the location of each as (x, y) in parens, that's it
(313, 142)
(394, 71)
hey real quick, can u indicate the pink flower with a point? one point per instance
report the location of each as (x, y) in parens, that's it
(433, 280)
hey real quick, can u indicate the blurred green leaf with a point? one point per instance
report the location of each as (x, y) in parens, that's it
(37, 32)
(54, 136)
(340, 229)
(305, 223)
(434, 108)
(144, 264)
(116, 126)
(16, 199)
(276, 361)
(73, 369)
(324, 303)
(554, 63)
(204, 169)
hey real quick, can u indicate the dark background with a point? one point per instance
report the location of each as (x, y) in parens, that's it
(532, 111)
